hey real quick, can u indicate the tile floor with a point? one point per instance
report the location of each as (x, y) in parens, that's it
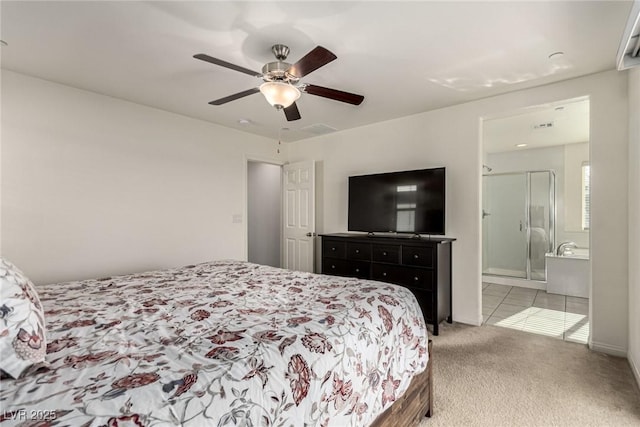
(535, 311)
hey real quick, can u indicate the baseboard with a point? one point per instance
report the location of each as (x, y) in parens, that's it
(514, 281)
(634, 369)
(613, 350)
(468, 320)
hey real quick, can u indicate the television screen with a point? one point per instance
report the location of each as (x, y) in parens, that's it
(402, 202)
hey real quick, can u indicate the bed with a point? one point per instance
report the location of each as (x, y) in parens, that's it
(221, 343)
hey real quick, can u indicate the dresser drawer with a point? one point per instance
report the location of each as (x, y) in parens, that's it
(417, 278)
(386, 253)
(419, 256)
(359, 251)
(333, 266)
(334, 248)
(388, 273)
(359, 269)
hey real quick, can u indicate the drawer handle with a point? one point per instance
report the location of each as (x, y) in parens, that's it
(333, 267)
(416, 278)
(416, 256)
(357, 270)
(333, 248)
(357, 251)
(384, 254)
(384, 274)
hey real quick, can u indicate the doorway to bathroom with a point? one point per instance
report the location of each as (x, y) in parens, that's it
(535, 220)
(264, 213)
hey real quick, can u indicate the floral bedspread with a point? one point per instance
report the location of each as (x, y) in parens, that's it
(220, 343)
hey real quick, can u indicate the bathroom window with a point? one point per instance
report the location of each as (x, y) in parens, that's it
(586, 172)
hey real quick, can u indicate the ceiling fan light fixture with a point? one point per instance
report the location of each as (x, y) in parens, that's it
(280, 95)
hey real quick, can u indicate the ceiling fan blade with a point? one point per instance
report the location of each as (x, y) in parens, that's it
(235, 96)
(338, 95)
(292, 113)
(220, 62)
(311, 62)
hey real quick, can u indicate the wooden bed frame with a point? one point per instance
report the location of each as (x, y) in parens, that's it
(415, 404)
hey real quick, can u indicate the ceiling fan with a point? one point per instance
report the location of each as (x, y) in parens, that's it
(282, 86)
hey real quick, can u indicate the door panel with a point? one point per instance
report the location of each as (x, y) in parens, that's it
(304, 208)
(289, 252)
(540, 238)
(505, 225)
(290, 202)
(305, 255)
(299, 219)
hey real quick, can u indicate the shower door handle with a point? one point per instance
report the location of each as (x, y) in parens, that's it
(520, 225)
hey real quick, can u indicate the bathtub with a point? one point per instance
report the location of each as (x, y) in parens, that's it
(569, 274)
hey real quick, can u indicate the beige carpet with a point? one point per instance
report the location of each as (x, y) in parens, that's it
(492, 376)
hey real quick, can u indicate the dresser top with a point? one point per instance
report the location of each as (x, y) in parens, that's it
(401, 238)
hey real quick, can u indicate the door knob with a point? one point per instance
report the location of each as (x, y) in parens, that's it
(310, 234)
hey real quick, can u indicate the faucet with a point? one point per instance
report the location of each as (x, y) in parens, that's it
(563, 246)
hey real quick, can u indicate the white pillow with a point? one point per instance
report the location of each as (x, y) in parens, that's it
(22, 327)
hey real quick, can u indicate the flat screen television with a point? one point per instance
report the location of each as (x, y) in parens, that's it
(400, 202)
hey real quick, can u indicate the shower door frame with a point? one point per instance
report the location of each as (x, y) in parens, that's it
(527, 207)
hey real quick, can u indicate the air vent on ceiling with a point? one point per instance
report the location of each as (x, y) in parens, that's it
(318, 129)
(545, 125)
(629, 50)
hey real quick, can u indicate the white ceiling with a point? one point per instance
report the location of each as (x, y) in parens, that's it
(404, 57)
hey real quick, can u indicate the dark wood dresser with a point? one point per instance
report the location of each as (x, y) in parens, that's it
(422, 265)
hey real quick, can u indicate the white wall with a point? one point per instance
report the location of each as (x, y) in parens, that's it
(528, 159)
(1, 157)
(451, 137)
(608, 158)
(95, 186)
(263, 213)
(634, 217)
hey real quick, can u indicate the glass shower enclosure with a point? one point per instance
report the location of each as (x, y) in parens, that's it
(518, 223)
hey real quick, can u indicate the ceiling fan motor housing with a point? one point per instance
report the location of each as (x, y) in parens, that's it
(276, 71)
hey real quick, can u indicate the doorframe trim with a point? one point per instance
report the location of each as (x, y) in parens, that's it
(245, 197)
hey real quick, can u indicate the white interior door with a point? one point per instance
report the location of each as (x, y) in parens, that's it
(299, 216)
